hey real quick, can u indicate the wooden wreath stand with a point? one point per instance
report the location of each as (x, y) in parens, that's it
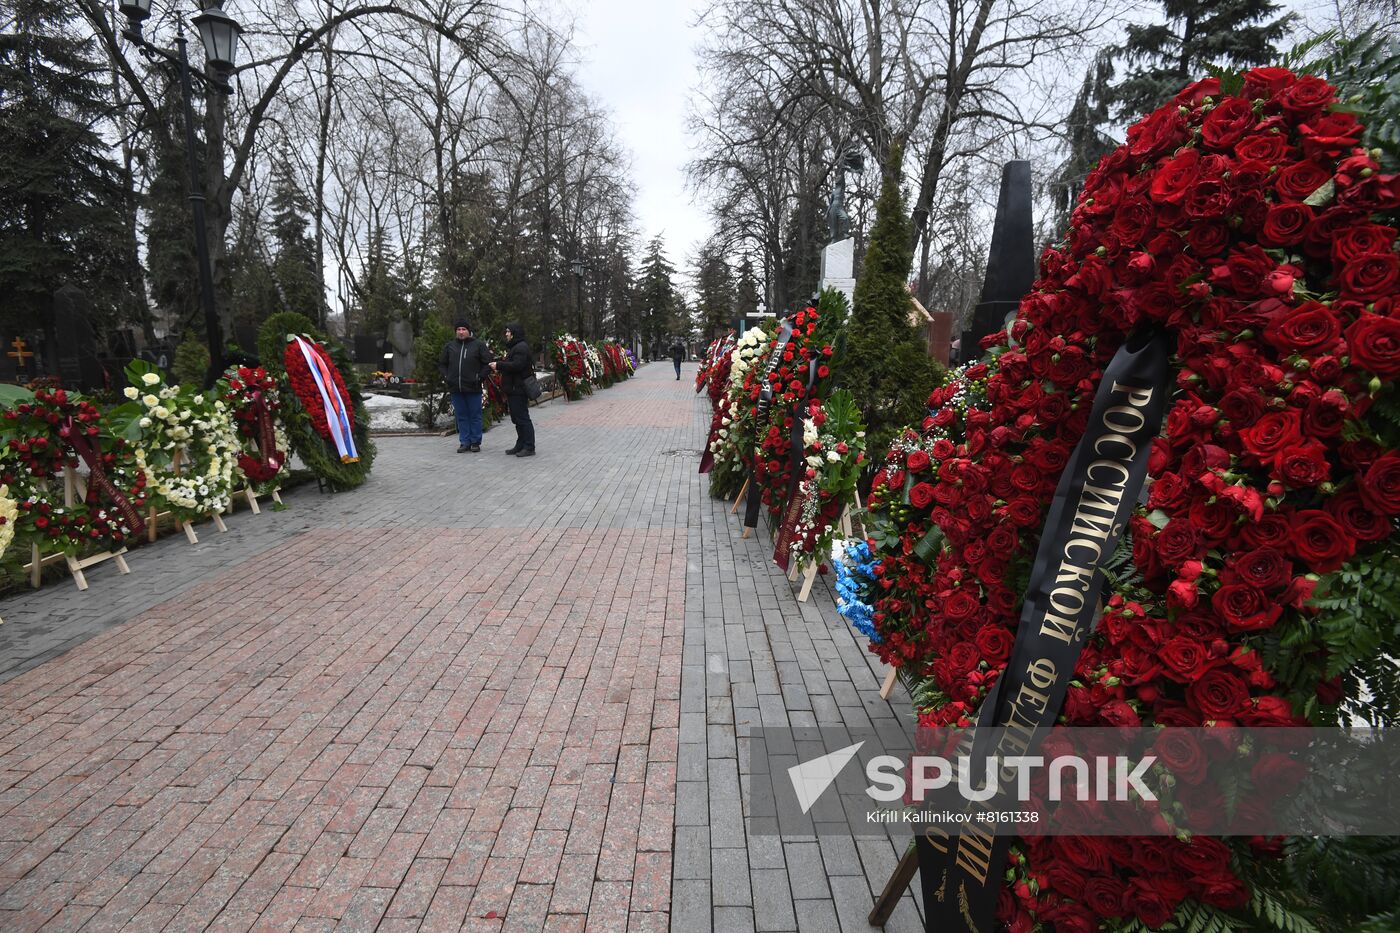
(252, 498)
(153, 517)
(810, 575)
(73, 486)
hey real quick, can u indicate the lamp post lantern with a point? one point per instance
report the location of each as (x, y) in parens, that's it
(219, 34)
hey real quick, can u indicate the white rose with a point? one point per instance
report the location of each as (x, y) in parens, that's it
(833, 456)
(145, 422)
(161, 412)
(130, 392)
(150, 379)
(150, 401)
(199, 400)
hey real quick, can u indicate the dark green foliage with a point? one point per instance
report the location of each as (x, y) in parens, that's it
(427, 352)
(658, 300)
(169, 228)
(295, 269)
(1366, 72)
(382, 296)
(887, 367)
(316, 452)
(1163, 57)
(60, 192)
(1086, 141)
(191, 363)
(255, 295)
(746, 296)
(714, 286)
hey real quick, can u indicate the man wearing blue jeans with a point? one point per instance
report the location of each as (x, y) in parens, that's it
(464, 361)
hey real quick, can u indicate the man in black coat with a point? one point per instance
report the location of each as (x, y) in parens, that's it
(677, 354)
(518, 364)
(463, 365)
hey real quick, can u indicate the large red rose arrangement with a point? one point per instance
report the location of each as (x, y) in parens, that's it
(569, 357)
(802, 371)
(251, 395)
(1249, 222)
(732, 427)
(304, 385)
(42, 438)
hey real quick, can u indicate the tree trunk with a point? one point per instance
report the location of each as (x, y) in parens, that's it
(218, 211)
(322, 143)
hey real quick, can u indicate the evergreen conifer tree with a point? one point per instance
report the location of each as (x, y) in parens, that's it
(658, 300)
(887, 366)
(1166, 56)
(60, 192)
(295, 268)
(746, 296)
(714, 287)
(169, 227)
(1086, 142)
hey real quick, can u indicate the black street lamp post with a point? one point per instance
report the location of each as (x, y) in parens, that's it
(577, 267)
(219, 34)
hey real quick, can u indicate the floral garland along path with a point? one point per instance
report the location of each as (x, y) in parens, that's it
(47, 440)
(185, 444)
(1248, 218)
(264, 461)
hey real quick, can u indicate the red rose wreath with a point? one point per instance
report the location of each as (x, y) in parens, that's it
(1250, 223)
(54, 431)
(304, 385)
(252, 399)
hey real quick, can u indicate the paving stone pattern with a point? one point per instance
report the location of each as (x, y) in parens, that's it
(477, 693)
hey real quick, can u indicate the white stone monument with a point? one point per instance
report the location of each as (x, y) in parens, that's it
(838, 258)
(838, 267)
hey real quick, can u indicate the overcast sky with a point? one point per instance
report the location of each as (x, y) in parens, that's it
(639, 62)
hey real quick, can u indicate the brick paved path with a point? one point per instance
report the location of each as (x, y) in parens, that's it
(475, 694)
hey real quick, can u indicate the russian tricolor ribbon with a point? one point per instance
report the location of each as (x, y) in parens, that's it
(337, 417)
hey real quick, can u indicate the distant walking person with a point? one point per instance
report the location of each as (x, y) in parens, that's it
(514, 369)
(463, 365)
(677, 354)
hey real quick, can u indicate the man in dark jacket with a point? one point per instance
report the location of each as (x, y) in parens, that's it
(677, 354)
(463, 365)
(518, 364)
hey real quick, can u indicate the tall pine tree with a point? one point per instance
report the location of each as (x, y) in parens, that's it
(746, 292)
(1086, 142)
(887, 366)
(658, 300)
(169, 227)
(714, 287)
(60, 192)
(1164, 57)
(298, 277)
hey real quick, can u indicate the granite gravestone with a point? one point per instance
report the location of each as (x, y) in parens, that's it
(367, 351)
(401, 342)
(75, 356)
(1010, 261)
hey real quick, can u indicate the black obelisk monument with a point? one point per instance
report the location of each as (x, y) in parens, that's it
(1010, 262)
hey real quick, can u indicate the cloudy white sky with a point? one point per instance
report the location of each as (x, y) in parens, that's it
(639, 62)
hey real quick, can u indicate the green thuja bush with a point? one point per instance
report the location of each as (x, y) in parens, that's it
(191, 363)
(887, 367)
(316, 452)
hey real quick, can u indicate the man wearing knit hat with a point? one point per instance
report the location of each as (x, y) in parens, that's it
(464, 360)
